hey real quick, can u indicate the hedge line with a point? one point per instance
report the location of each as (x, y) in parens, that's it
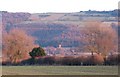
(70, 60)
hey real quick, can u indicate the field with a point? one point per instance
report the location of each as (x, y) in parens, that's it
(60, 70)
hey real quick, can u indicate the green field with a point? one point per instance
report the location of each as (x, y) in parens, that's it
(60, 70)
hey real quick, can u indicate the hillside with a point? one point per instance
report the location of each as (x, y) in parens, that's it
(52, 29)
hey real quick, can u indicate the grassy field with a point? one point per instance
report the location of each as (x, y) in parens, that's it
(60, 70)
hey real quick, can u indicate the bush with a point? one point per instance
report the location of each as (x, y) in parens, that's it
(98, 59)
(87, 60)
(49, 60)
(58, 60)
(30, 61)
(78, 60)
(6, 63)
(69, 60)
(37, 52)
(40, 61)
(90, 60)
(113, 60)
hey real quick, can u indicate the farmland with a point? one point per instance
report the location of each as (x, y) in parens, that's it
(60, 70)
(64, 36)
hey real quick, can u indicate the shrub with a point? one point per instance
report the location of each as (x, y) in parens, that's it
(58, 60)
(68, 60)
(40, 61)
(49, 60)
(6, 63)
(98, 59)
(92, 60)
(113, 59)
(37, 52)
(30, 61)
(78, 61)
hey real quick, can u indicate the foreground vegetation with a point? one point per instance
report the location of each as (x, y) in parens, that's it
(60, 70)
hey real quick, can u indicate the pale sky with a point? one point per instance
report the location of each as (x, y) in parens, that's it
(43, 6)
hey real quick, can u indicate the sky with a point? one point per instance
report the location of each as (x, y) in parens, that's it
(43, 6)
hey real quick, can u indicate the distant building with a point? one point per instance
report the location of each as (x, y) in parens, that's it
(60, 46)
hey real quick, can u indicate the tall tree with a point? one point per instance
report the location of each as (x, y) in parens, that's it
(16, 45)
(99, 38)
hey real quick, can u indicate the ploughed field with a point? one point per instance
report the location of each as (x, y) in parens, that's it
(59, 70)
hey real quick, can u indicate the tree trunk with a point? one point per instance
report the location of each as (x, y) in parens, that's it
(92, 53)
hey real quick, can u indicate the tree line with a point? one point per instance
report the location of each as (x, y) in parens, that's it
(96, 37)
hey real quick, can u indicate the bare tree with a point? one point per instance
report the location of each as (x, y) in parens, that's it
(99, 38)
(16, 45)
